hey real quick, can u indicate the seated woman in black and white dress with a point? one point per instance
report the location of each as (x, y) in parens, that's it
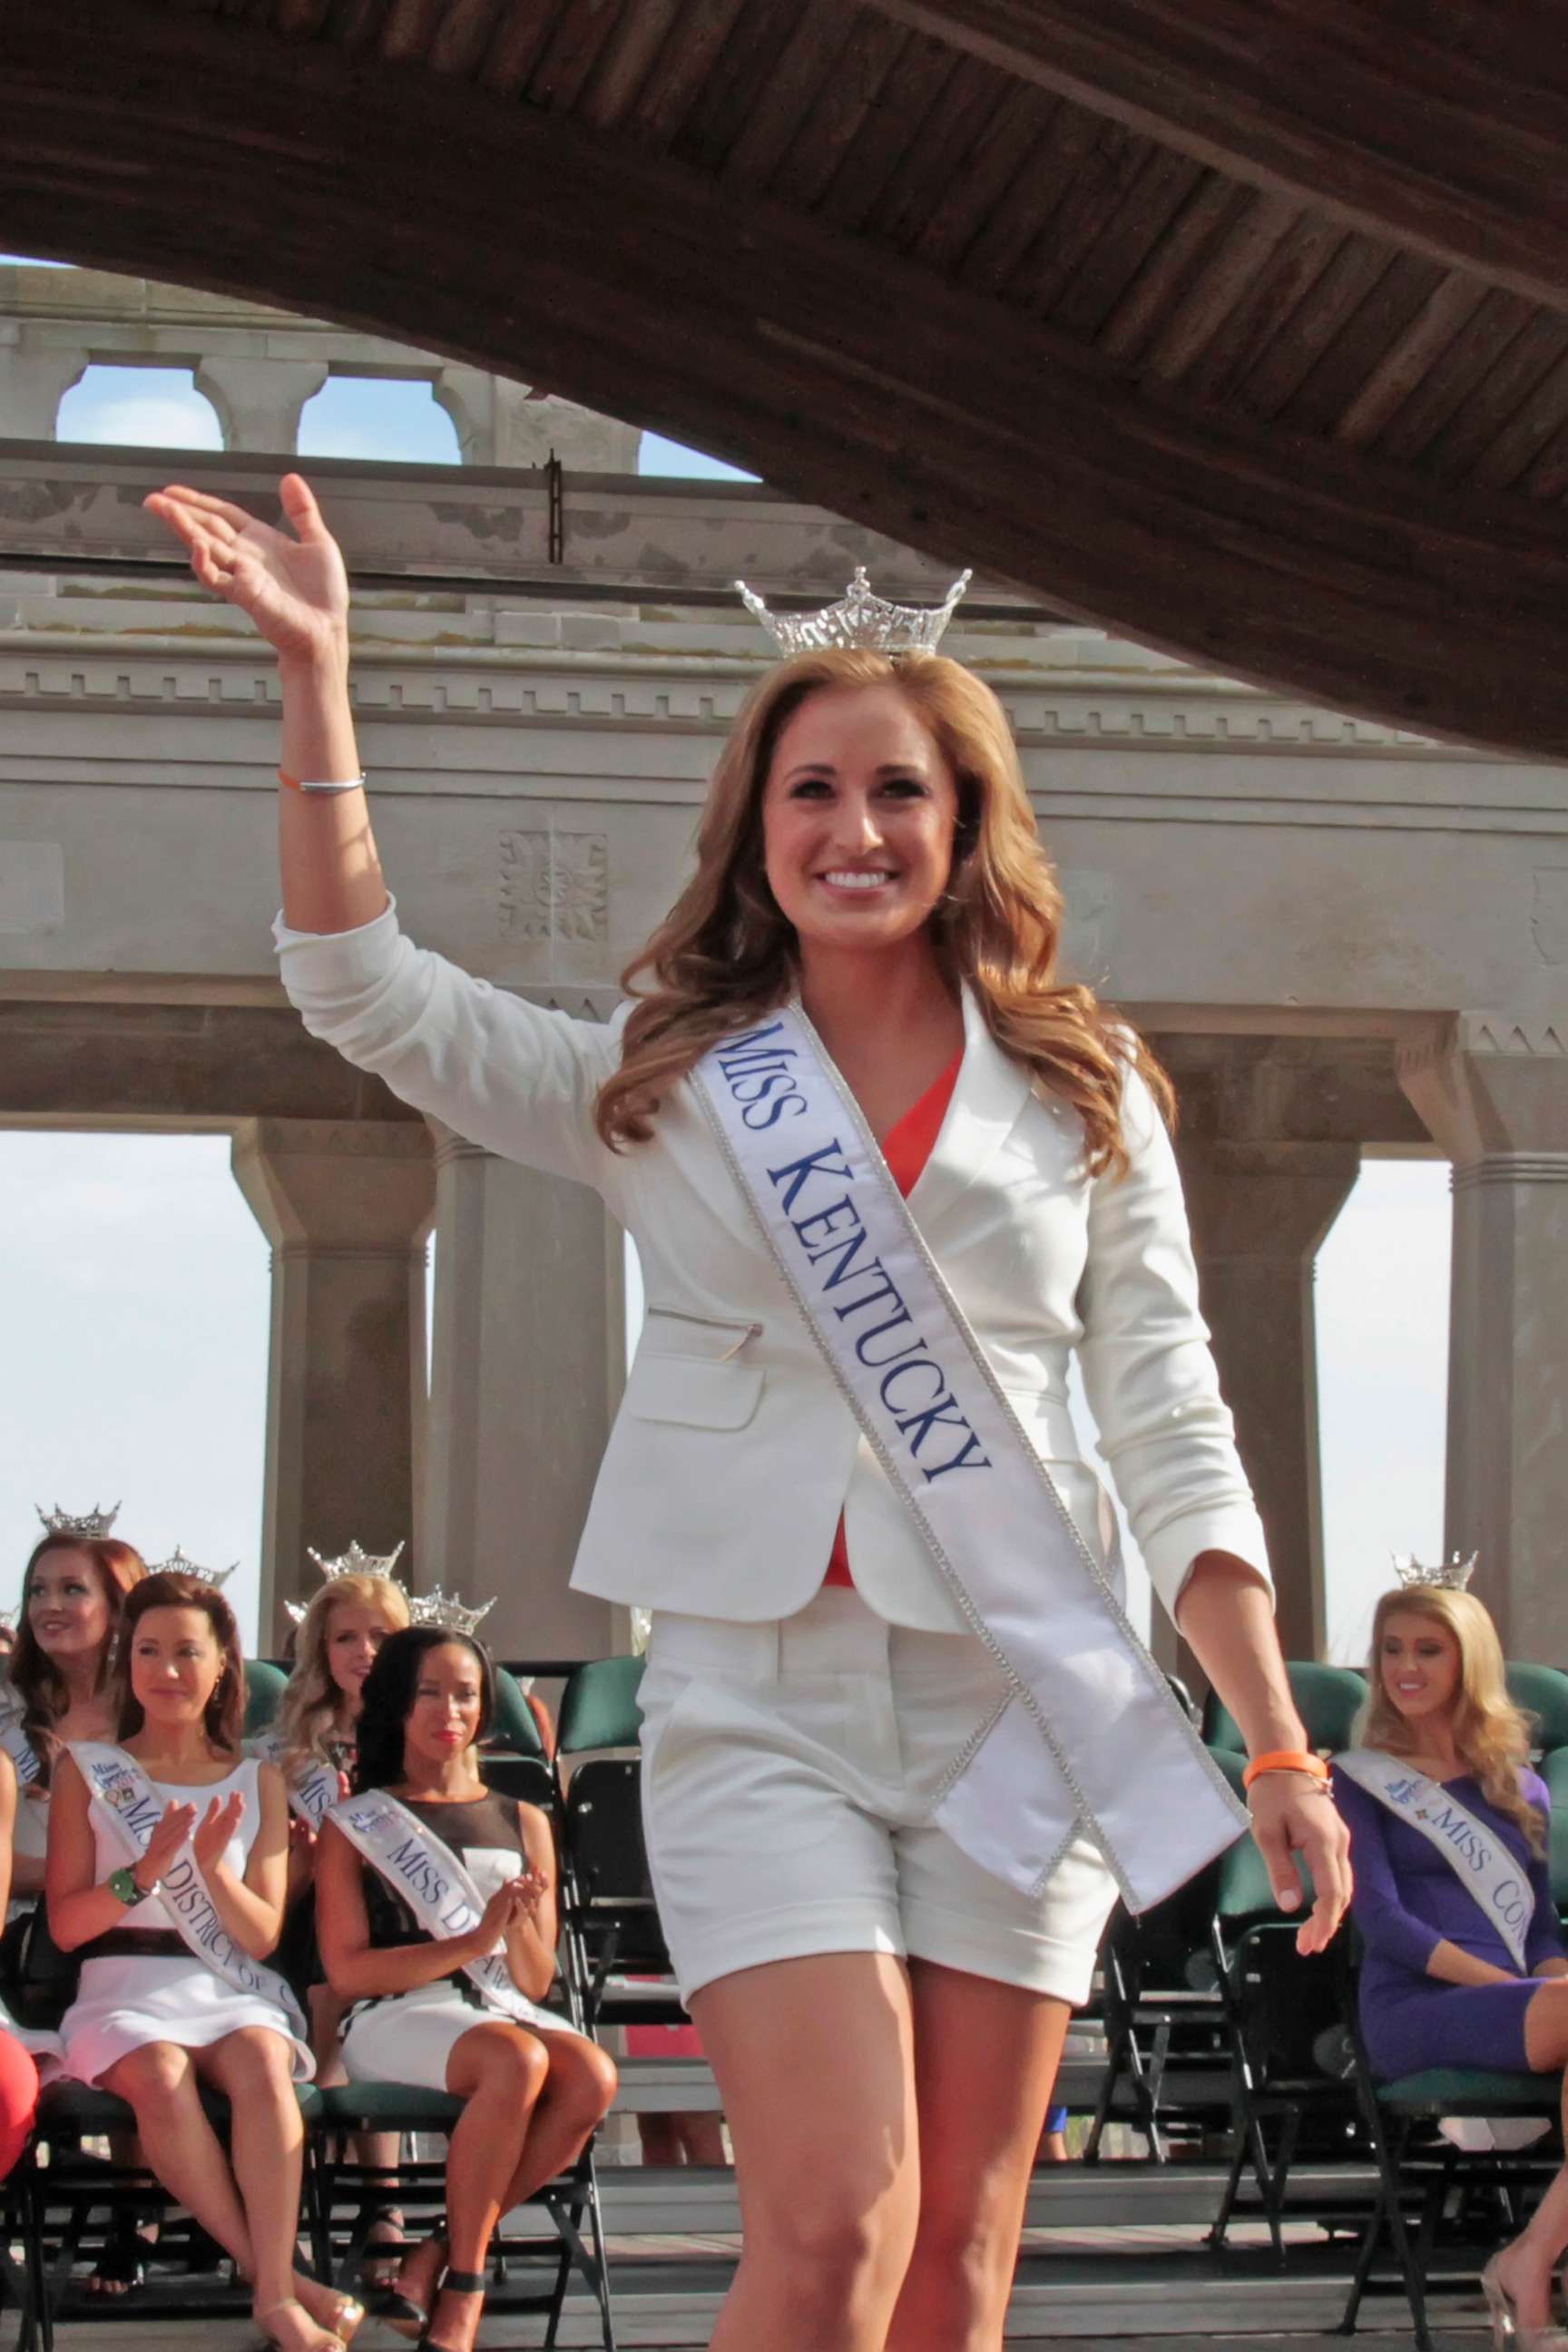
(168, 1853)
(436, 1917)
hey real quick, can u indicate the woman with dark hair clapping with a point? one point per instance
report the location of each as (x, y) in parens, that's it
(168, 1855)
(435, 1914)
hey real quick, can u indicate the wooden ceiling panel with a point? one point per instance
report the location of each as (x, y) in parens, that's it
(896, 125)
(1278, 374)
(1395, 299)
(1096, 192)
(691, 49)
(1172, 268)
(979, 188)
(1273, 293)
(1131, 232)
(997, 251)
(841, 118)
(1263, 315)
(1454, 453)
(464, 36)
(622, 68)
(1531, 431)
(1235, 260)
(521, 35)
(1414, 358)
(799, 78)
(738, 86)
(577, 42)
(921, 174)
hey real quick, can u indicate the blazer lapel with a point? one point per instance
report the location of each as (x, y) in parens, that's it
(987, 1102)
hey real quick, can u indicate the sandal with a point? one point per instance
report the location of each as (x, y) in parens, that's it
(122, 2266)
(326, 2341)
(381, 2257)
(400, 2311)
(454, 2283)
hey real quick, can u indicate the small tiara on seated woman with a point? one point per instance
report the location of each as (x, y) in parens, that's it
(352, 1562)
(444, 1609)
(89, 1525)
(178, 1565)
(858, 619)
(1449, 1575)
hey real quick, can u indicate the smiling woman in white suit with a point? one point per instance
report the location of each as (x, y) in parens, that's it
(883, 1855)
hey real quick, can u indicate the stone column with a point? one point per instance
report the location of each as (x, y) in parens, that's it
(528, 1364)
(1259, 1213)
(32, 385)
(346, 1206)
(258, 400)
(1494, 1094)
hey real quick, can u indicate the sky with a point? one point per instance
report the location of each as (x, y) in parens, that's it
(139, 1279)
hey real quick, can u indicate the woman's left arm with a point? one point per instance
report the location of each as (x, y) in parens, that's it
(531, 1943)
(251, 1908)
(1169, 1440)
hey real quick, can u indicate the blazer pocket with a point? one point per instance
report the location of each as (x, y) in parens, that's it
(694, 1392)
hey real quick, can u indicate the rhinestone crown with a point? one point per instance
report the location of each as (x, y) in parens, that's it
(90, 1525)
(1452, 1575)
(859, 618)
(178, 1565)
(444, 1609)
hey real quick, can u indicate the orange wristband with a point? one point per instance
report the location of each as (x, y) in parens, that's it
(294, 784)
(1284, 1760)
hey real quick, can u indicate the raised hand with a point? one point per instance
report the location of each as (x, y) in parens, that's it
(296, 589)
(210, 1840)
(174, 1826)
(517, 1899)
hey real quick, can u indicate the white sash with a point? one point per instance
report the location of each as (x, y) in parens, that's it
(21, 1752)
(1483, 1866)
(427, 1875)
(133, 1808)
(313, 1792)
(1090, 1736)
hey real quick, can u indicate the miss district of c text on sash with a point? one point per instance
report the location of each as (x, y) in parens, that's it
(884, 2014)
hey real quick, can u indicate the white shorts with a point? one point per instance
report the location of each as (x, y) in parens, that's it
(789, 1773)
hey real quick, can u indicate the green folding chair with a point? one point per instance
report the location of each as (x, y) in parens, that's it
(265, 1684)
(1329, 1699)
(1542, 1692)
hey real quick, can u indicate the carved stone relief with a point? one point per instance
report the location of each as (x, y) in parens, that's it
(554, 886)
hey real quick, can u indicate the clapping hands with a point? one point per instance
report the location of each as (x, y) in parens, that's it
(509, 1906)
(210, 1839)
(174, 1826)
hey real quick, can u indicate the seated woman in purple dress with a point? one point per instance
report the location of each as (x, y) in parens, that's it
(1465, 1964)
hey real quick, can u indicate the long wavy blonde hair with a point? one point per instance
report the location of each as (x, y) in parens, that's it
(308, 1711)
(1490, 1734)
(725, 955)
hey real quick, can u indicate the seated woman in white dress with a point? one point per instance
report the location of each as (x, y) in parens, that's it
(435, 1915)
(168, 1855)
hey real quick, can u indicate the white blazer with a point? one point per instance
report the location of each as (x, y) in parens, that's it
(733, 1452)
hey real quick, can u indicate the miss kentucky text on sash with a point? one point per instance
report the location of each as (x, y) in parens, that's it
(901, 1745)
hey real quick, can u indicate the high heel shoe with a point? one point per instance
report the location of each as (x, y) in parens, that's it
(328, 2343)
(454, 2283)
(1507, 2333)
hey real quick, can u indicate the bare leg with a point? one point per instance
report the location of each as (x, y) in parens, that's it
(1526, 2267)
(575, 2101)
(815, 2059)
(699, 2137)
(182, 2152)
(267, 2139)
(985, 2060)
(499, 2071)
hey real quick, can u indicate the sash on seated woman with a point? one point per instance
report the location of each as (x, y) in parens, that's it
(132, 1808)
(1483, 1866)
(433, 1884)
